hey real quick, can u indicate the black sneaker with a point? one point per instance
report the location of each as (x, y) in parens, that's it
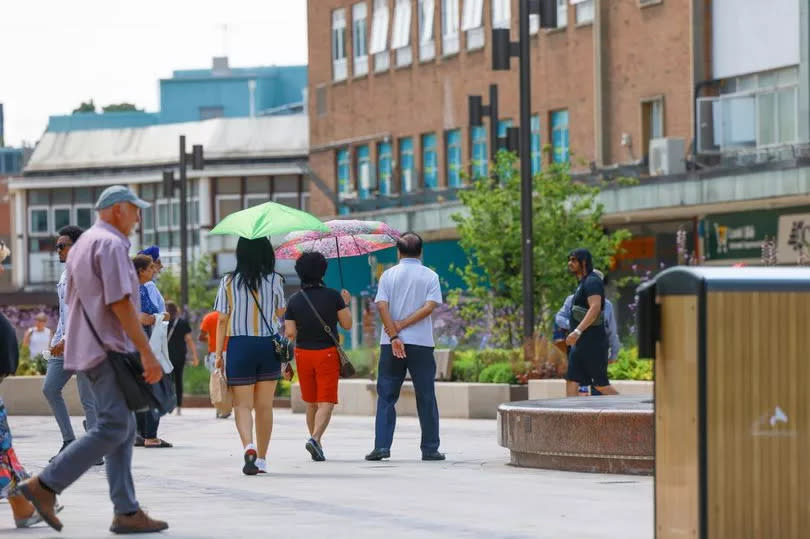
(64, 445)
(379, 454)
(433, 455)
(315, 450)
(250, 467)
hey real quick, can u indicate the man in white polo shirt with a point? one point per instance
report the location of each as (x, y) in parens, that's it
(406, 296)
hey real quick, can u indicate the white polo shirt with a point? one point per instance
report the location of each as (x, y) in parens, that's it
(407, 287)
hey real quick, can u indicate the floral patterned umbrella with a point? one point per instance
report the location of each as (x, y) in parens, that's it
(344, 238)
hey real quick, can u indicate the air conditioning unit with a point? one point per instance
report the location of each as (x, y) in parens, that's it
(667, 156)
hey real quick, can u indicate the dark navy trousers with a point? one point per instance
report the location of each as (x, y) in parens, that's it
(390, 375)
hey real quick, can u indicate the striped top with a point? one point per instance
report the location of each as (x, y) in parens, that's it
(243, 316)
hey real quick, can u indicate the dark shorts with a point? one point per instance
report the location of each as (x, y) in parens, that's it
(251, 360)
(587, 363)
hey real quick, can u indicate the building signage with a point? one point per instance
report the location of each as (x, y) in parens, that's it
(794, 238)
(738, 235)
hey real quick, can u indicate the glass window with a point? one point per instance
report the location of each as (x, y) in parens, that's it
(339, 44)
(164, 240)
(501, 14)
(430, 165)
(450, 23)
(227, 206)
(472, 22)
(427, 46)
(208, 113)
(286, 183)
(148, 238)
(83, 194)
(229, 186)
(175, 213)
(257, 185)
(379, 35)
(562, 13)
(584, 11)
(39, 221)
(360, 38)
(39, 196)
(787, 115)
(61, 196)
(61, 218)
(194, 188)
(406, 164)
(163, 214)
(559, 136)
(40, 245)
(255, 200)
(384, 167)
(365, 182)
(84, 217)
(148, 191)
(766, 109)
(536, 148)
(480, 156)
(288, 199)
(148, 218)
(343, 172)
(453, 157)
(503, 125)
(194, 212)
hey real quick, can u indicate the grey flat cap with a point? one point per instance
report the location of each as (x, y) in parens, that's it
(119, 193)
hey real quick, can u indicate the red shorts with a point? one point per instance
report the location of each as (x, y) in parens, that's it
(318, 373)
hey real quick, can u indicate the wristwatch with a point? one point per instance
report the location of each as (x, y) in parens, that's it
(578, 332)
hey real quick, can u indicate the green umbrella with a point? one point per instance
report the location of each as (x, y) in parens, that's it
(268, 219)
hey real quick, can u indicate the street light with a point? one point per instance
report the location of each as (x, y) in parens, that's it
(478, 110)
(502, 51)
(169, 185)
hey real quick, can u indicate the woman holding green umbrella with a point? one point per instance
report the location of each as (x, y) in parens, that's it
(250, 303)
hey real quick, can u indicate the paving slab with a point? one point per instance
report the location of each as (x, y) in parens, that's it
(199, 488)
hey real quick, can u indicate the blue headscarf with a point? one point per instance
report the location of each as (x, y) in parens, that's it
(153, 251)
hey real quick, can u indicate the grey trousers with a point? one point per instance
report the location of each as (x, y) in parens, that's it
(55, 380)
(112, 437)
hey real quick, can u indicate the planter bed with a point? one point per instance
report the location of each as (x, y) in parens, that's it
(555, 388)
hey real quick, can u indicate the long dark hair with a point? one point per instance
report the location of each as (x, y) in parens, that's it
(584, 257)
(255, 260)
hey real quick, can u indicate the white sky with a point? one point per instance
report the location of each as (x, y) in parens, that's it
(54, 54)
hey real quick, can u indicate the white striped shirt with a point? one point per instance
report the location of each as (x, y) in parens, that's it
(244, 318)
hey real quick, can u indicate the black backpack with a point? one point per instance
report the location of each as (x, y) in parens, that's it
(9, 350)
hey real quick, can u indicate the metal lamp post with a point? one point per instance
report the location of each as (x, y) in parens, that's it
(169, 185)
(502, 51)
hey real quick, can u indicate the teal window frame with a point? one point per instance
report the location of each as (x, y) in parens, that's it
(430, 164)
(560, 136)
(384, 169)
(535, 145)
(452, 141)
(406, 165)
(479, 152)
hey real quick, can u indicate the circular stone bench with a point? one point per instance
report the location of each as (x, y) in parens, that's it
(604, 434)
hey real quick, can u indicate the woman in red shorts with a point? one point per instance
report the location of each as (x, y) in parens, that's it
(315, 353)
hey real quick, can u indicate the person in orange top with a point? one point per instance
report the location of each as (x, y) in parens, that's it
(208, 334)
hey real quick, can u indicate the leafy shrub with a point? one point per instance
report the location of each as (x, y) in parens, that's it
(195, 380)
(364, 361)
(469, 365)
(629, 367)
(498, 373)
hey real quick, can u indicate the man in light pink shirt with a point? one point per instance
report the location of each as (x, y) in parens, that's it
(102, 290)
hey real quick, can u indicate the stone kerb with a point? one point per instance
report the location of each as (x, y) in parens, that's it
(22, 395)
(555, 388)
(456, 399)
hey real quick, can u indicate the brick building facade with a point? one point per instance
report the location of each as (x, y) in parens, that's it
(642, 71)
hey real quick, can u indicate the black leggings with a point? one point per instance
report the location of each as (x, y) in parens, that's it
(177, 375)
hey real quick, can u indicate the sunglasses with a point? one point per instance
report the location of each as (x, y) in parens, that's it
(61, 246)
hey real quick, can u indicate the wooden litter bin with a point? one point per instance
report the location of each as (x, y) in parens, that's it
(732, 400)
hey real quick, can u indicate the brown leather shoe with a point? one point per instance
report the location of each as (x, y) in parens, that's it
(137, 523)
(43, 500)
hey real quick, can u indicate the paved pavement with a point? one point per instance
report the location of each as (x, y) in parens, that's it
(198, 487)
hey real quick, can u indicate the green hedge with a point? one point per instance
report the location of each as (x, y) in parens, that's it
(195, 382)
(498, 373)
(629, 367)
(491, 365)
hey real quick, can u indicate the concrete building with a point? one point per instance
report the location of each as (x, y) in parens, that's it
(706, 103)
(248, 161)
(202, 94)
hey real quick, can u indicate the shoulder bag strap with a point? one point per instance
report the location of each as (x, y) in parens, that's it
(326, 327)
(92, 328)
(254, 294)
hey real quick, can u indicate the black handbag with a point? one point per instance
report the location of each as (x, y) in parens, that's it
(165, 395)
(347, 370)
(284, 347)
(129, 375)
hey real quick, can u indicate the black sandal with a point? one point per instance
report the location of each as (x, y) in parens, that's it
(163, 443)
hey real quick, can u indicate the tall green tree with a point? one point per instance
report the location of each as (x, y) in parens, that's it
(566, 215)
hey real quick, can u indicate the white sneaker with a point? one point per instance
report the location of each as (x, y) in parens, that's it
(261, 464)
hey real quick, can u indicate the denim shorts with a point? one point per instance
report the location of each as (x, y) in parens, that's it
(251, 360)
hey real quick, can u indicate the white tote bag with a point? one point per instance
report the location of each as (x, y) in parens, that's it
(159, 342)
